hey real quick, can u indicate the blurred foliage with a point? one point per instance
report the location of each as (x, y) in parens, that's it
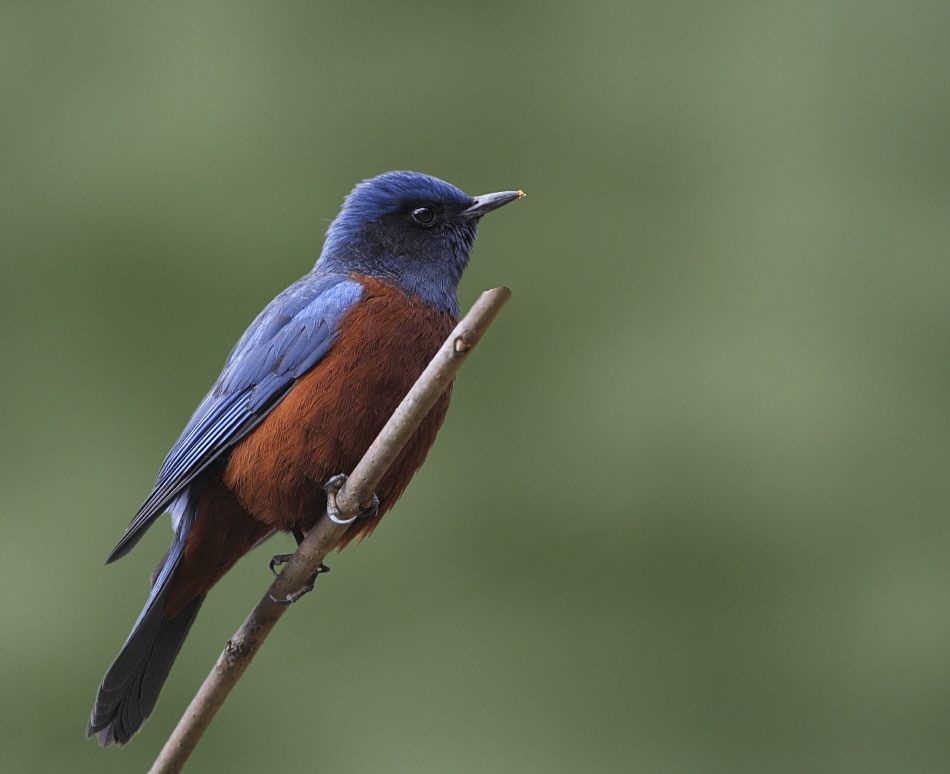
(689, 512)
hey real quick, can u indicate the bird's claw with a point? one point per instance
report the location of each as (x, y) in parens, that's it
(277, 560)
(305, 589)
(372, 509)
(332, 488)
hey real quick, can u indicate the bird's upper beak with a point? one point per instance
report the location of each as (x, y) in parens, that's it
(489, 202)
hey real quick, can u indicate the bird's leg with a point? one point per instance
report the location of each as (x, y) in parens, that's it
(332, 488)
(280, 559)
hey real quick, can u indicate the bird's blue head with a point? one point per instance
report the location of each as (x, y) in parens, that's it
(411, 229)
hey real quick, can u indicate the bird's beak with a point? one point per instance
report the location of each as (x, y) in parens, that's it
(489, 202)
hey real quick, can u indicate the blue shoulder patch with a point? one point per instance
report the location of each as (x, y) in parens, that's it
(286, 340)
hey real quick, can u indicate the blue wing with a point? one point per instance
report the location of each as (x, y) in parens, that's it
(286, 340)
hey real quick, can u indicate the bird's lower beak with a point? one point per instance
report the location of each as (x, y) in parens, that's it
(489, 202)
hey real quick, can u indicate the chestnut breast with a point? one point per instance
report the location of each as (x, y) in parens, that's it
(331, 415)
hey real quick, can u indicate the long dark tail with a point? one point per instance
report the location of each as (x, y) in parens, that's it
(130, 688)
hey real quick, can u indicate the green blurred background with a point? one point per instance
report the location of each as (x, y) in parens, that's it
(691, 508)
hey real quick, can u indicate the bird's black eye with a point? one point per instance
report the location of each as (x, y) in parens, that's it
(424, 216)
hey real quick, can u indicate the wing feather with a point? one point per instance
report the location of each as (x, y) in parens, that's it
(287, 339)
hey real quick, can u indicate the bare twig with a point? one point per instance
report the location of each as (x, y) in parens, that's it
(320, 540)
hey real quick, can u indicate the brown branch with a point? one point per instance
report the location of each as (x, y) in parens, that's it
(320, 540)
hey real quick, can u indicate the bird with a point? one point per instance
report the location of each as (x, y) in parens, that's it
(301, 397)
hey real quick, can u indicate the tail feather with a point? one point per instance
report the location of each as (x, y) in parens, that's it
(128, 692)
(131, 687)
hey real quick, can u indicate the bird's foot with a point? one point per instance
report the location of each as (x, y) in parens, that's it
(332, 488)
(307, 587)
